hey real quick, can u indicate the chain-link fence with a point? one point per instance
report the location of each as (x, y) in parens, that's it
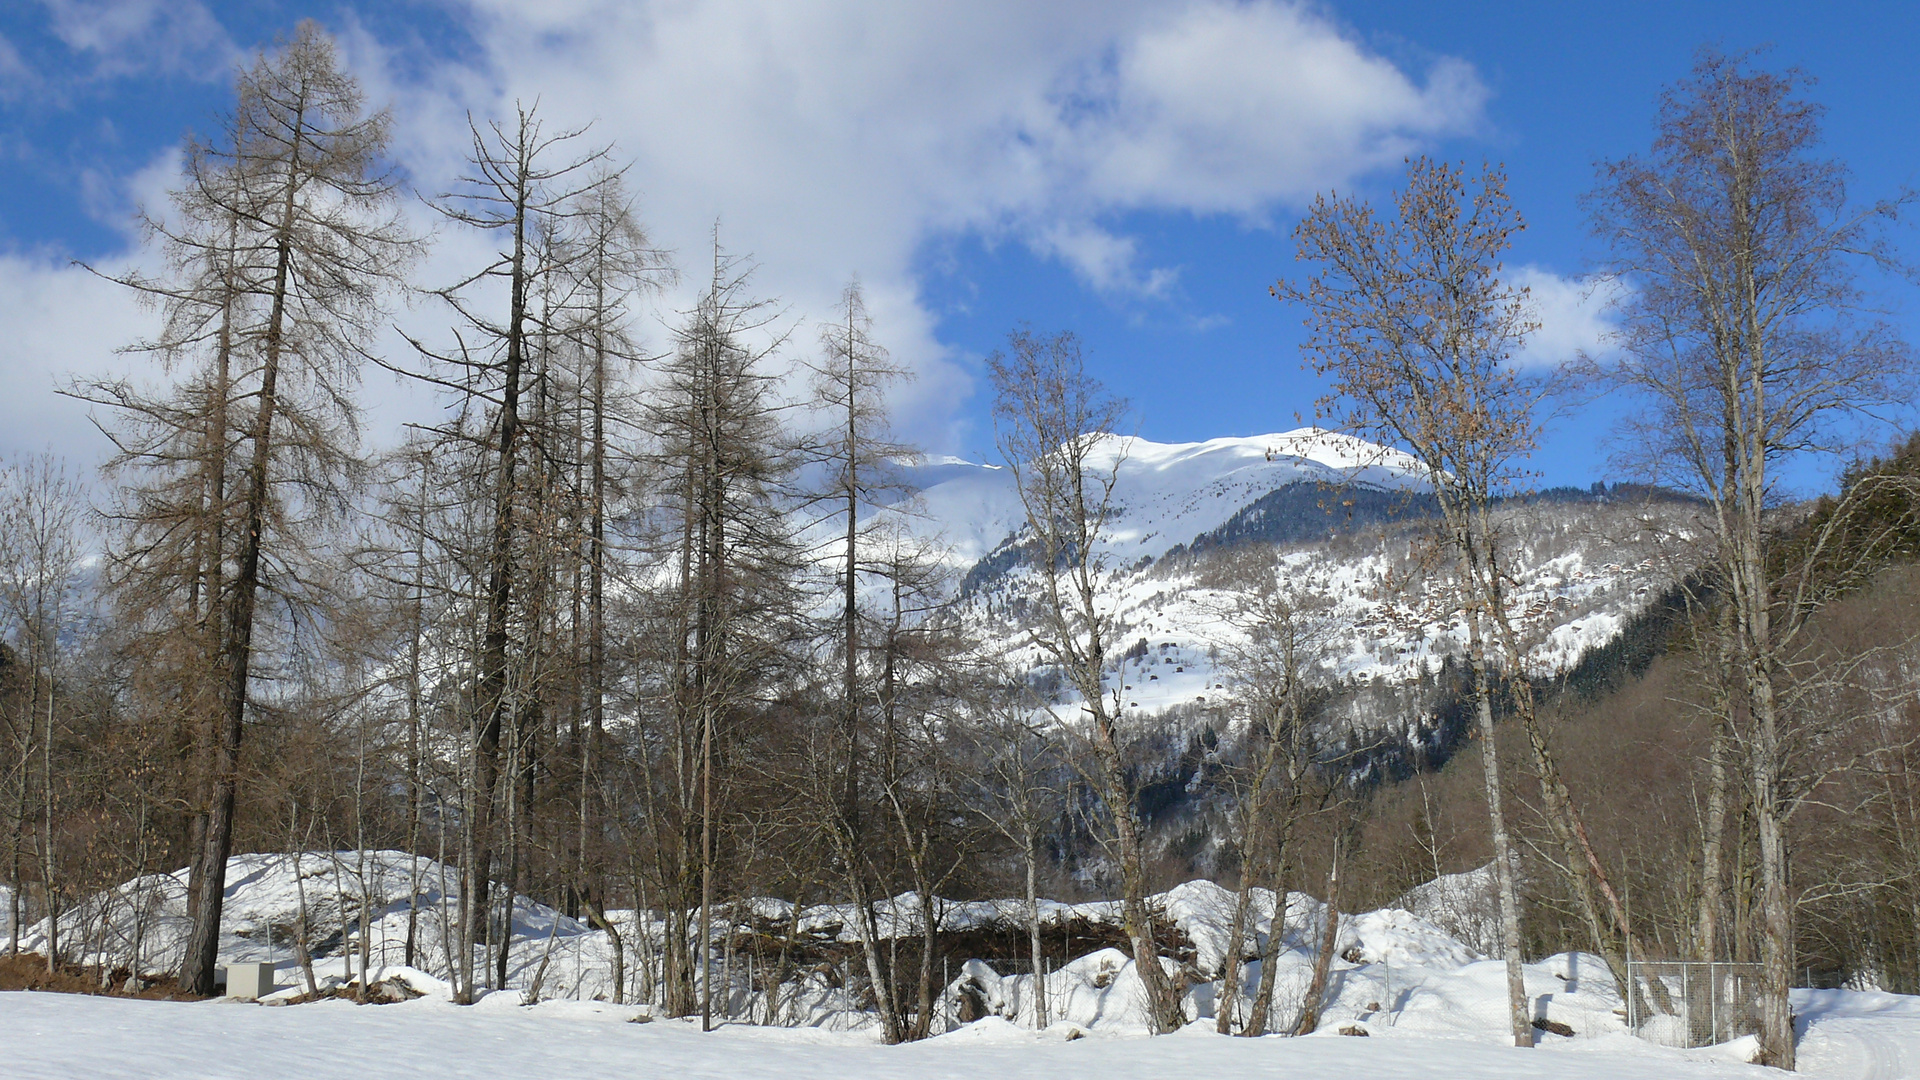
(1689, 1003)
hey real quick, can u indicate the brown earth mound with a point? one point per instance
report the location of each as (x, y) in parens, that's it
(28, 971)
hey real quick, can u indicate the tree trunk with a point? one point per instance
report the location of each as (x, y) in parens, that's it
(1776, 907)
(1314, 1000)
(47, 853)
(1517, 1004)
(1258, 1017)
(868, 932)
(1227, 1002)
(1712, 900)
(203, 941)
(618, 974)
(1041, 1015)
(929, 955)
(1165, 1012)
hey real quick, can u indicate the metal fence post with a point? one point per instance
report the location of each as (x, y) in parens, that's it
(1633, 996)
(1713, 1001)
(1686, 997)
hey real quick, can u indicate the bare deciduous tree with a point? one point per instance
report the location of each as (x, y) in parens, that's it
(1017, 790)
(1412, 320)
(1746, 332)
(289, 240)
(1055, 424)
(1284, 633)
(42, 512)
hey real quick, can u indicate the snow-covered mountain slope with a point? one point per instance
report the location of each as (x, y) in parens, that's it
(1177, 571)
(1168, 493)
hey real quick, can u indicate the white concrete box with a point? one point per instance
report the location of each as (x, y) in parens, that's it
(249, 982)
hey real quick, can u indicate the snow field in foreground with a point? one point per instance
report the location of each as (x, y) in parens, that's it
(48, 1036)
(1432, 1004)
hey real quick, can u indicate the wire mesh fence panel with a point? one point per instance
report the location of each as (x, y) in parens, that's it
(1688, 1003)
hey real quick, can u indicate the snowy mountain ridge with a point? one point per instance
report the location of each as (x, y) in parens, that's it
(1584, 564)
(1167, 493)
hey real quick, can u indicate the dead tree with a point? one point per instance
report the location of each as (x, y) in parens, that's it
(850, 381)
(725, 590)
(611, 264)
(519, 192)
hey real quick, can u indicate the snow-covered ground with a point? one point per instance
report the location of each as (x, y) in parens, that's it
(1845, 1033)
(61, 1037)
(1394, 968)
(1421, 995)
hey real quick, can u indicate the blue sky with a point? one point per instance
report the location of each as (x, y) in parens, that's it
(1128, 171)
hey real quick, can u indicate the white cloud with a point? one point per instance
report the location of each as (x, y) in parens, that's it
(1107, 262)
(1572, 313)
(837, 137)
(1229, 107)
(840, 137)
(63, 324)
(128, 36)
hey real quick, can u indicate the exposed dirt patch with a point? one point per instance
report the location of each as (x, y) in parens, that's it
(1554, 1026)
(384, 992)
(28, 971)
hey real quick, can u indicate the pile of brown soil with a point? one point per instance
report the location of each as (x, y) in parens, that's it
(28, 971)
(384, 992)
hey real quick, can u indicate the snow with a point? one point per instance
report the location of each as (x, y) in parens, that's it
(1463, 906)
(143, 923)
(1420, 994)
(49, 1036)
(1580, 570)
(58, 1036)
(1846, 1033)
(1168, 493)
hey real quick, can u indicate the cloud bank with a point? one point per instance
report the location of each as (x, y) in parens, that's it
(830, 138)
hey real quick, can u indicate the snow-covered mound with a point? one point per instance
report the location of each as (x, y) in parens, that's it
(142, 925)
(1464, 906)
(1391, 967)
(1395, 973)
